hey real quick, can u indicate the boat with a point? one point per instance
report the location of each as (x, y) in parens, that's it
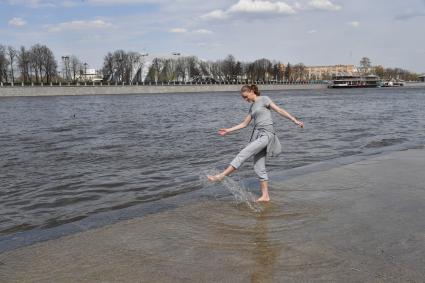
(392, 83)
(352, 81)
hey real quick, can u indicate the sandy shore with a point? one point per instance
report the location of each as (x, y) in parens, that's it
(361, 222)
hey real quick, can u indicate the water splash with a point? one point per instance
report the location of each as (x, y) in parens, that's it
(239, 192)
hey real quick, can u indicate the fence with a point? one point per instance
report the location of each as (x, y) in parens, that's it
(171, 83)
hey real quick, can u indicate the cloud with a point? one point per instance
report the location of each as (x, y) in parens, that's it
(69, 4)
(260, 6)
(325, 5)
(119, 2)
(354, 24)
(79, 26)
(312, 31)
(252, 7)
(17, 22)
(32, 3)
(73, 3)
(409, 15)
(202, 31)
(215, 15)
(178, 30)
(183, 30)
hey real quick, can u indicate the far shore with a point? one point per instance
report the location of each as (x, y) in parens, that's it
(55, 90)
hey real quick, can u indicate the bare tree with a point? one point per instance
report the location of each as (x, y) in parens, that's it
(3, 64)
(75, 67)
(228, 67)
(288, 72)
(365, 65)
(12, 54)
(24, 65)
(43, 63)
(108, 66)
(299, 72)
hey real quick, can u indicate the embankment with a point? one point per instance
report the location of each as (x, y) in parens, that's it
(141, 89)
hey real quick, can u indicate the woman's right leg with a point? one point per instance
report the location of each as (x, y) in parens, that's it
(260, 170)
(251, 149)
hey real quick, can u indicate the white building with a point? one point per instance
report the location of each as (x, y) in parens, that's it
(91, 75)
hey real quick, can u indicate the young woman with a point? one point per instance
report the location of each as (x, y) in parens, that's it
(263, 141)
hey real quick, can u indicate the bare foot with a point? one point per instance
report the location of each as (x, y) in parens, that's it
(263, 199)
(215, 178)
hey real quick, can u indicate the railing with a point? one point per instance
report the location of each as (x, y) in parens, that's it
(170, 83)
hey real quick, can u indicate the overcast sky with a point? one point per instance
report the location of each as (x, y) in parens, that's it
(315, 32)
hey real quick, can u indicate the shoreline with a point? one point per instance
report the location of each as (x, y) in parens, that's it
(25, 91)
(35, 235)
(355, 222)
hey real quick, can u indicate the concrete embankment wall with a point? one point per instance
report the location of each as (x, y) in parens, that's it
(98, 90)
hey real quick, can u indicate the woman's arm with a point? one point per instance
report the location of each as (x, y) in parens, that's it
(285, 114)
(242, 125)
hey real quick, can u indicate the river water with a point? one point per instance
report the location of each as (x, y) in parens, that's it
(64, 158)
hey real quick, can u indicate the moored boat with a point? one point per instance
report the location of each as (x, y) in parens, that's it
(351, 81)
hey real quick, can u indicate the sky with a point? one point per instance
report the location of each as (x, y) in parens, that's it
(314, 32)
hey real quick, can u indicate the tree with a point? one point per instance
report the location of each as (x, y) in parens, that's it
(108, 66)
(365, 65)
(3, 64)
(12, 53)
(299, 72)
(288, 72)
(379, 71)
(75, 67)
(238, 70)
(228, 67)
(24, 66)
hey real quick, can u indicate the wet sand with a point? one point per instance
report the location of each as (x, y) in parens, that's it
(361, 222)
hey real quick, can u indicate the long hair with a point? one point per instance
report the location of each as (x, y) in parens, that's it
(252, 88)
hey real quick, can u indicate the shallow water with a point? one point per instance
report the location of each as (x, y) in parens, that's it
(64, 158)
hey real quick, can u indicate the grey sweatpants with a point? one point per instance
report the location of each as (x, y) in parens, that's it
(258, 149)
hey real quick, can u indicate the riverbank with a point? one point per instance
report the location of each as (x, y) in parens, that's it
(361, 222)
(141, 89)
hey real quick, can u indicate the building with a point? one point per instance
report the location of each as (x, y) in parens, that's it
(326, 72)
(90, 75)
(422, 78)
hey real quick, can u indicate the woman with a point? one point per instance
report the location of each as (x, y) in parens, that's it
(263, 141)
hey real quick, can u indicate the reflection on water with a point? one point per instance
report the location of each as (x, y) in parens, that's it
(265, 253)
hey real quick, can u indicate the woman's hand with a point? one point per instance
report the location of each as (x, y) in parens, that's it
(223, 132)
(299, 123)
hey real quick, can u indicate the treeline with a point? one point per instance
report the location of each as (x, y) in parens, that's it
(386, 74)
(389, 74)
(128, 67)
(35, 64)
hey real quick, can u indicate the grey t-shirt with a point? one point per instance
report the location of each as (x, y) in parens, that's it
(263, 124)
(260, 112)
